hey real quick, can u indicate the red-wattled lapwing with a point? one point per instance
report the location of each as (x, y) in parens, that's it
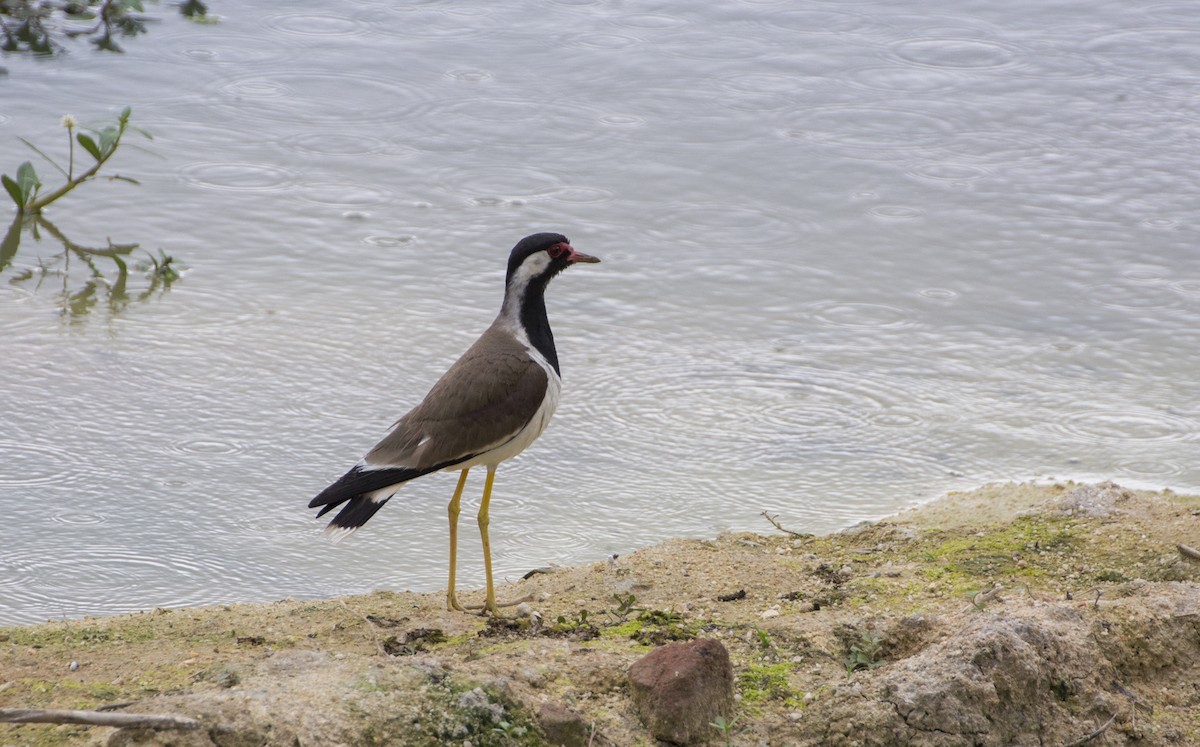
(492, 403)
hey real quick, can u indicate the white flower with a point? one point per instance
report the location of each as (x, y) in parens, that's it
(69, 122)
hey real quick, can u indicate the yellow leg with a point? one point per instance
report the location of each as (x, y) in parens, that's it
(451, 599)
(489, 606)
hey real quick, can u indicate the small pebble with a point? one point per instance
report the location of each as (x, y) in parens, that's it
(73, 666)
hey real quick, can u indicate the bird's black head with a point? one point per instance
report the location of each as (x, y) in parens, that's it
(542, 256)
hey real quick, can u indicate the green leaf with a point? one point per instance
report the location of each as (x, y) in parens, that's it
(13, 190)
(108, 139)
(89, 145)
(119, 178)
(126, 111)
(27, 180)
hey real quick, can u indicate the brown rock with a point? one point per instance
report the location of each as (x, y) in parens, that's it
(562, 726)
(679, 689)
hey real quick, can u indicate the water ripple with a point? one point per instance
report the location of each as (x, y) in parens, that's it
(343, 195)
(905, 79)
(312, 24)
(814, 21)
(237, 176)
(224, 48)
(870, 132)
(339, 143)
(44, 578)
(28, 464)
(1131, 425)
(970, 54)
(842, 314)
(324, 98)
(1175, 53)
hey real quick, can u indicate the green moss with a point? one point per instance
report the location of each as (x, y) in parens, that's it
(760, 683)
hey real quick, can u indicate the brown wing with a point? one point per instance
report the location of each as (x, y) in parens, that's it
(488, 395)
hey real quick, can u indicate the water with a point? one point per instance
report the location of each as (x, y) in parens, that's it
(855, 255)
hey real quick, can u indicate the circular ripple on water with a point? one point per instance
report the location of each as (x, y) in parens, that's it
(223, 48)
(970, 54)
(1000, 148)
(1133, 296)
(238, 176)
(208, 447)
(390, 241)
(949, 172)
(1188, 287)
(1150, 469)
(939, 294)
(78, 518)
(608, 41)
(468, 75)
(27, 464)
(705, 45)
(905, 78)
(581, 195)
(870, 132)
(1183, 13)
(500, 182)
(814, 21)
(1153, 52)
(895, 212)
(848, 314)
(648, 21)
(110, 579)
(312, 24)
(344, 144)
(322, 98)
(342, 195)
(434, 22)
(196, 306)
(1131, 425)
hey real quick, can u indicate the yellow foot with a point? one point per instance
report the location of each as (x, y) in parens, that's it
(452, 603)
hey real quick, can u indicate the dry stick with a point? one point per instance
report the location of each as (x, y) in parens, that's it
(97, 718)
(370, 624)
(1093, 735)
(775, 523)
(1188, 552)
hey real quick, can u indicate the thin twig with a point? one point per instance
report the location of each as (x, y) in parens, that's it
(775, 523)
(370, 624)
(1188, 552)
(1093, 735)
(97, 718)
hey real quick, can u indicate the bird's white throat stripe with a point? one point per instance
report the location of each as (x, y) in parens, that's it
(534, 265)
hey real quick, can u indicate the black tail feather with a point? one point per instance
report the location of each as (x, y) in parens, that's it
(358, 483)
(355, 513)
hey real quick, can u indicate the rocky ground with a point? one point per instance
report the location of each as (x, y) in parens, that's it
(1012, 615)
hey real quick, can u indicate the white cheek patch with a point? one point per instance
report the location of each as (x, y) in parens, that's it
(534, 265)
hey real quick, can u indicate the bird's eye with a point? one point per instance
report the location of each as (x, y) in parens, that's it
(557, 250)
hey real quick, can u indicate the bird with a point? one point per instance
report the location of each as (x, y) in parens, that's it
(490, 405)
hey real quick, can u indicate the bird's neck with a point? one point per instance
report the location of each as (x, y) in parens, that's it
(525, 307)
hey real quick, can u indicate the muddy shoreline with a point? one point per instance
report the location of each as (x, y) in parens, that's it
(1012, 614)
